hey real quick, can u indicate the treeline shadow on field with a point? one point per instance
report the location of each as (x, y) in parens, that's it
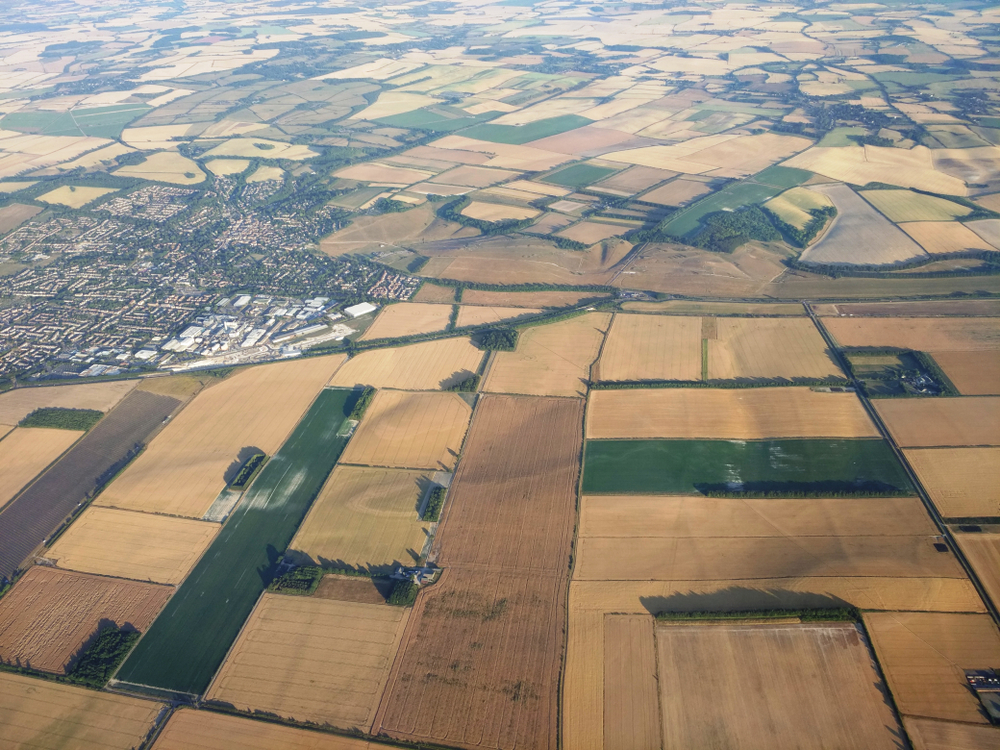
(822, 488)
(104, 622)
(297, 557)
(245, 454)
(741, 599)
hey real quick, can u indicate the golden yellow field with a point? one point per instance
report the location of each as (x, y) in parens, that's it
(260, 148)
(550, 360)
(27, 451)
(15, 405)
(141, 546)
(263, 174)
(227, 166)
(365, 518)
(410, 431)
(906, 205)
(408, 319)
(209, 730)
(962, 482)
(188, 464)
(740, 154)
(794, 206)
(982, 550)
(921, 334)
(746, 414)
(46, 715)
(631, 710)
(165, 166)
(651, 347)
(944, 236)
(74, 197)
(923, 655)
(429, 366)
(497, 212)
(691, 307)
(526, 299)
(434, 293)
(769, 348)
(973, 373)
(297, 652)
(860, 165)
(931, 734)
(382, 173)
(471, 315)
(960, 421)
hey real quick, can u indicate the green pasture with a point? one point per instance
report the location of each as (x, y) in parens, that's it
(519, 134)
(579, 175)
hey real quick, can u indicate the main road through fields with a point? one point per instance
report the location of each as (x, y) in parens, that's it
(188, 641)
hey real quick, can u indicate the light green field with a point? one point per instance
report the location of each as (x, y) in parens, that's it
(793, 206)
(906, 205)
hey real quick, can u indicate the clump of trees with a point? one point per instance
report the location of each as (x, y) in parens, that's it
(469, 385)
(498, 339)
(802, 237)
(434, 504)
(301, 581)
(361, 405)
(404, 593)
(101, 658)
(64, 419)
(724, 231)
(248, 471)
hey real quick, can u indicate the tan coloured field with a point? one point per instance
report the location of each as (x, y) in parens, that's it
(923, 655)
(365, 518)
(589, 232)
(187, 465)
(165, 166)
(859, 165)
(982, 550)
(731, 414)
(633, 180)
(647, 347)
(260, 148)
(769, 348)
(430, 365)
(45, 715)
(227, 166)
(525, 299)
(498, 212)
(921, 334)
(409, 228)
(410, 431)
(48, 617)
(973, 373)
(74, 197)
(631, 713)
(961, 421)
(794, 206)
(930, 734)
(140, 546)
(15, 405)
(408, 319)
(550, 360)
(962, 482)
(472, 315)
(906, 205)
(26, 452)
(434, 293)
(686, 307)
(968, 308)
(295, 652)
(680, 192)
(263, 174)
(470, 176)
(813, 680)
(944, 237)
(382, 173)
(740, 154)
(209, 730)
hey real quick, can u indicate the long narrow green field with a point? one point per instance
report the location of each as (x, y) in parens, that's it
(790, 467)
(188, 641)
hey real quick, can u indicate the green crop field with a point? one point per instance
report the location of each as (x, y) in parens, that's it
(578, 175)
(782, 177)
(518, 134)
(100, 122)
(441, 119)
(737, 196)
(789, 467)
(188, 641)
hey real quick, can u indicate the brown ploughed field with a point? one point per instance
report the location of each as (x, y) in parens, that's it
(930, 734)
(922, 334)
(928, 422)
(973, 373)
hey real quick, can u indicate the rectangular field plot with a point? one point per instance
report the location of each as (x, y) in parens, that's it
(930, 734)
(631, 713)
(927, 422)
(411, 431)
(973, 373)
(428, 366)
(312, 660)
(49, 716)
(769, 348)
(749, 413)
(527, 299)
(187, 642)
(924, 655)
(25, 452)
(48, 617)
(408, 319)
(550, 360)
(141, 546)
(208, 730)
(15, 405)
(804, 681)
(365, 518)
(189, 463)
(982, 550)
(474, 315)
(788, 467)
(962, 482)
(651, 347)
(921, 334)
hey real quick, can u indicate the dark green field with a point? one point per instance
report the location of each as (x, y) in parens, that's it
(578, 175)
(787, 467)
(188, 641)
(518, 134)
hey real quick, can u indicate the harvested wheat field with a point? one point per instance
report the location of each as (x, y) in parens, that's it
(651, 347)
(527, 299)
(208, 730)
(550, 360)
(921, 334)
(365, 518)
(937, 237)
(631, 713)
(680, 192)
(25, 452)
(973, 373)
(982, 550)
(46, 715)
(190, 462)
(498, 212)
(471, 315)
(930, 734)
(48, 617)
(410, 431)
(928, 422)
(693, 307)
(74, 197)
(408, 319)
(295, 653)
(165, 166)
(924, 655)
(813, 680)
(735, 414)
(769, 348)
(430, 365)
(434, 293)
(962, 482)
(141, 546)
(15, 405)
